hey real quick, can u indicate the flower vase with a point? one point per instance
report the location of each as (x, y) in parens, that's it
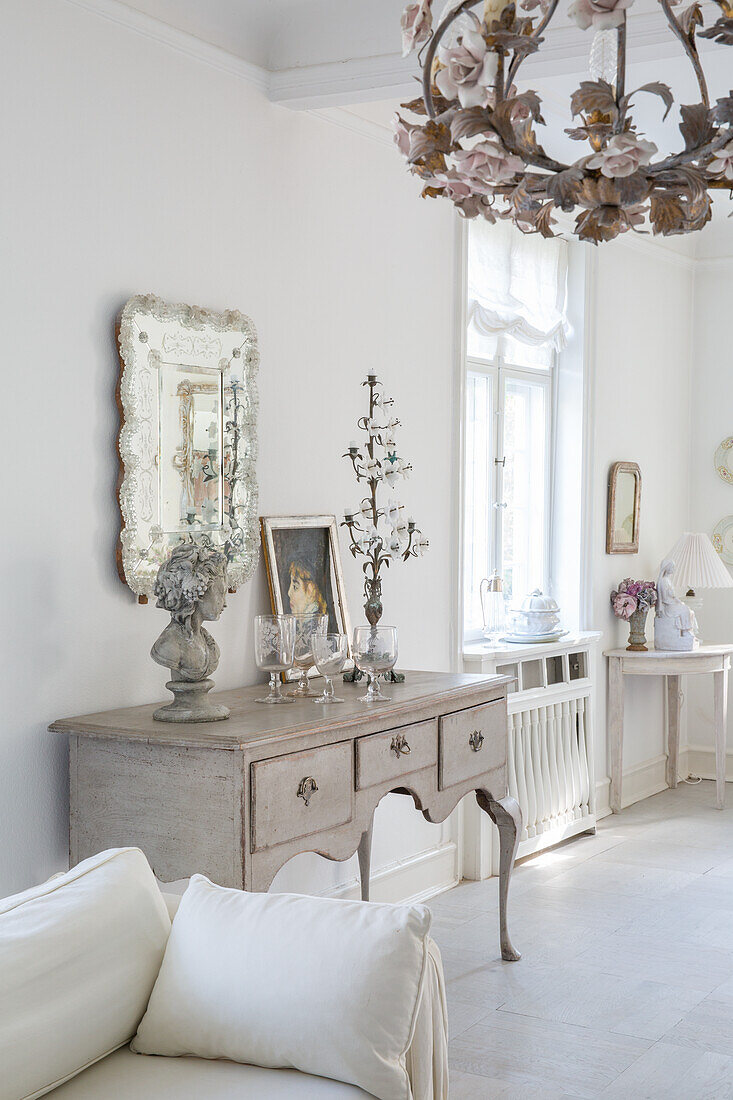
(637, 633)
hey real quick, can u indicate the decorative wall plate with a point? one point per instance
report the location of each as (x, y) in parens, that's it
(723, 539)
(724, 460)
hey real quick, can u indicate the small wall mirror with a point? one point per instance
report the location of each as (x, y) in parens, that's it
(188, 435)
(624, 504)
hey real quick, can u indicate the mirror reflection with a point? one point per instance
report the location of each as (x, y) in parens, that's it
(623, 518)
(624, 502)
(192, 470)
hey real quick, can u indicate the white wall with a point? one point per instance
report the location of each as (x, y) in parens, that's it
(132, 168)
(712, 498)
(641, 331)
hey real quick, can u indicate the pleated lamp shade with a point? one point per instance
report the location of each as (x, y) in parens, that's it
(697, 565)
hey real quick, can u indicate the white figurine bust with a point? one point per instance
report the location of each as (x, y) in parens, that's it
(675, 626)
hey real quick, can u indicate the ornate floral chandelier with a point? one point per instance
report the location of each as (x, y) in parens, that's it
(478, 146)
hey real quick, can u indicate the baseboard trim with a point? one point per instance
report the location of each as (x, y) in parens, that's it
(639, 782)
(700, 760)
(650, 777)
(410, 880)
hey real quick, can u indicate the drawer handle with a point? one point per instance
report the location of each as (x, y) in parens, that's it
(399, 746)
(476, 740)
(307, 789)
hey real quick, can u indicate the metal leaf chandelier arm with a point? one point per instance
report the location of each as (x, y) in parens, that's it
(536, 34)
(427, 62)
(688, 44)
(688, 156)
(621, 72)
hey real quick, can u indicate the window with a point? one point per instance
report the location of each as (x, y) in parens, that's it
(515, 326)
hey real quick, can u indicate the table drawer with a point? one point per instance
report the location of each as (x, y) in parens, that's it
(472, 742)
(385, 756)
(302, 793)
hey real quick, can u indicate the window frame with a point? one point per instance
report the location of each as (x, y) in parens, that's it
(499, 370)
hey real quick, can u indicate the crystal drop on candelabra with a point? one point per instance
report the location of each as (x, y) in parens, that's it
(602, 59)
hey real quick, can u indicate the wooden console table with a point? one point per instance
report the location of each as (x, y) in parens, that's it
(624, 662)
(236, 800)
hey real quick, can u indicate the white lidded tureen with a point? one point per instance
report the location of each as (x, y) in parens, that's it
(538, 617)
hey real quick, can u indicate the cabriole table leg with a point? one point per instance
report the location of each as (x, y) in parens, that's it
(507, 816)
(364, 852)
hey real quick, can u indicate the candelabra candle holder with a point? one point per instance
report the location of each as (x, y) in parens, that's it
(379, 533)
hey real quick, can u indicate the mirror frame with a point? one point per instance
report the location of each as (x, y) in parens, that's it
(227, 342)
(613, 547)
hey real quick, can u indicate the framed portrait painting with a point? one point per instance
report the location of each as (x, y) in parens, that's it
(304, 572)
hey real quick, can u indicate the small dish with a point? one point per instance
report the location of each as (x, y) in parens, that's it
(723, 539)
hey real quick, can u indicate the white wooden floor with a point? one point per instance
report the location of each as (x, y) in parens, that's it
(625, 988)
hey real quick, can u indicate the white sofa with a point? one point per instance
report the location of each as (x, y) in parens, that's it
(70, 1005)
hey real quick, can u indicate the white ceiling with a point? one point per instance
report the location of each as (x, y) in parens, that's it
(285, 34)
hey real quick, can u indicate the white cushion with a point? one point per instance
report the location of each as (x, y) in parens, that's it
(127, 1076)
(325, 986)
(78, 958)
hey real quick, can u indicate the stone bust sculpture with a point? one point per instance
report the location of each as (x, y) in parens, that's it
(192, 585)
(674, 624)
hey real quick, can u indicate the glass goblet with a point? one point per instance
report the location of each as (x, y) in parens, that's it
(374, 652)
(329, 653)
(306, 627)
(274, 646)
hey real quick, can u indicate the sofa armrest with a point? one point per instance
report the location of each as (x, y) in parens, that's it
(427, 1057)
(172, 902)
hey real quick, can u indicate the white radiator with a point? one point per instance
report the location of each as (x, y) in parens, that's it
(550, 764)
(549, 771)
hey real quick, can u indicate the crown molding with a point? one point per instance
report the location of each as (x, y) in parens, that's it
(363, 79)
(339, 83)
(708, 263)
(347, 120)
(647, 246)
(181, 41)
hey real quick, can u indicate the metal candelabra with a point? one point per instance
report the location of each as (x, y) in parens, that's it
(381, 535)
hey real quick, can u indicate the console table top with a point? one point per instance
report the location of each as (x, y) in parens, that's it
(652, 654)
(251, 722)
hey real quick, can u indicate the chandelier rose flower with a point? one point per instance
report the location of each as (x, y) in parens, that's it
(602, 15)
(417, 23)
(469, 70)
(473, 136)
(622, 156)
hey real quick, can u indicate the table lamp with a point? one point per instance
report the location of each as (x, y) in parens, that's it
(697, 565)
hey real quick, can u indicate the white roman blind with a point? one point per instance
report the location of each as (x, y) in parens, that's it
(516, 285)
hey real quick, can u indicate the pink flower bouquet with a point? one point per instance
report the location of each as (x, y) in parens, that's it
(631, 596)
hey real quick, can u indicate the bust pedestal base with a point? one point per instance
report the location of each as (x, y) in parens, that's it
(191, 704)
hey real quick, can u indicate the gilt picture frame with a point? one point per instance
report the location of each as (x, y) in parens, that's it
(624, 508)
(304, 571)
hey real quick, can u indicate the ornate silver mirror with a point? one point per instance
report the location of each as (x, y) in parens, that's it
(188, 437)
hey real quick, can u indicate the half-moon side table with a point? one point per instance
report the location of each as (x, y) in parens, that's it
(624, 662)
